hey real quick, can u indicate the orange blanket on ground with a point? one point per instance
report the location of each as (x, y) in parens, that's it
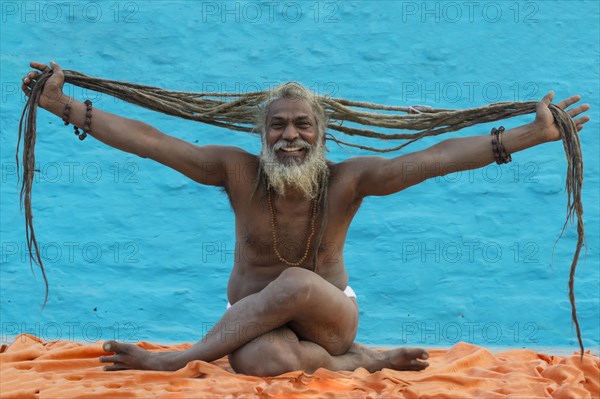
(31, 368)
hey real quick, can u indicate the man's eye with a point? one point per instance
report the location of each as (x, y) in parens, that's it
(276, 125)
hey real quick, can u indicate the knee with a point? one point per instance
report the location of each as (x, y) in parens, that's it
(293, 287)
(263, 360)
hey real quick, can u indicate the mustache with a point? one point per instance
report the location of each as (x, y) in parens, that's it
(296, 143)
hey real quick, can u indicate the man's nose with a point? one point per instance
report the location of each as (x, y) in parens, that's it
(290, 133)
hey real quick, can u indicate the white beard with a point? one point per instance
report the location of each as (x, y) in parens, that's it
(303, 175)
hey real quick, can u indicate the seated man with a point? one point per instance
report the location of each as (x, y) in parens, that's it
(291, 307)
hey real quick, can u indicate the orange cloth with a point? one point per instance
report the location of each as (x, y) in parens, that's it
(31, 368)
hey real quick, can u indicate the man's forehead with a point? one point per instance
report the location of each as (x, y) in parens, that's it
(290, 107)
(286, 115)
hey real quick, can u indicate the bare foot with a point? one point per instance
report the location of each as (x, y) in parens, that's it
(406, 359)
(396, 359)
(132, 357)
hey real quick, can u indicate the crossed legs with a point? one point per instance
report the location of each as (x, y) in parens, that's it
(298, 322)
(280, 351)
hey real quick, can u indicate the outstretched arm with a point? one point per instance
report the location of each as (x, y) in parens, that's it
(381, 176)
(202, 164)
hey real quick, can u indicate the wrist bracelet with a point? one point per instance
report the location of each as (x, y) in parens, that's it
(505, 156)
(88, 119)
(66, 113)
(500, 154)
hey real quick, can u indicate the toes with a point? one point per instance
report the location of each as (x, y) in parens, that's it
(418, 365)
(109, 359)
(116, 367)
(416, 353)
(114, 346)
(108, 346)
(410, 359)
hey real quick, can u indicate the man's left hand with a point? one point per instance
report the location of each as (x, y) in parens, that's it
(544, 121)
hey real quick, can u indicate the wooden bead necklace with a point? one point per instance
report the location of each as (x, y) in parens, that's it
(311, 228)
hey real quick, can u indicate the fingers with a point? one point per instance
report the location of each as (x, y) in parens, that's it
(578, 110)
(31, 76)
(579, 122)
(548, 98)
(573, 112)
(56, 68)
(566, 103)
(28, 80)
(39, 66)
(569, 101)
(25, 88)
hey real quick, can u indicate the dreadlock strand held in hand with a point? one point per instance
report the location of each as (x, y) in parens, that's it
(29, 118)
(237, 112)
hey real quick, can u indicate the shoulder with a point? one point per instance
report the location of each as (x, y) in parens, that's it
(345, 176)
(239, 167)
(221, 165)
(369, 175)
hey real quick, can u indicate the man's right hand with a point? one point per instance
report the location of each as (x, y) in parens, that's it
(54, 85)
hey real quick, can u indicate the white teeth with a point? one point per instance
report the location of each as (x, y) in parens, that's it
(290, 149)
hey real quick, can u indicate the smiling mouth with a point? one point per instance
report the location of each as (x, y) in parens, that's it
(292, 150)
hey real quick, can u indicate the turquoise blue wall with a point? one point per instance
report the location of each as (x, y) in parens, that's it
(135, 251)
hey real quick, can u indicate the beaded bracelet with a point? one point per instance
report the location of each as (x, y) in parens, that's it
(66, 113)
(88, 119)
(500, 154)
(506, 157)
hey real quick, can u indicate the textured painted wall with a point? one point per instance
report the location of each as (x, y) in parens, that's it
(135, 251)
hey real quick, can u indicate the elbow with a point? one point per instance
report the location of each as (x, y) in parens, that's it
(446, 158)
(437, 162)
